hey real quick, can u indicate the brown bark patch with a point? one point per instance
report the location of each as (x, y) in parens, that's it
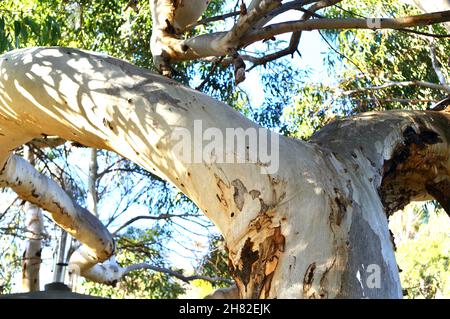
(256, 269)
(412, 169)
(254, 193)
(243, 270)
(223, 188)
(308, 278)
(239, 193)
(413, 143)
(441, 192)
(339, 207)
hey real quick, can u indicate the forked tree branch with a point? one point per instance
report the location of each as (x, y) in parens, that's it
(295, 37)
(353, 23)
(168, 46)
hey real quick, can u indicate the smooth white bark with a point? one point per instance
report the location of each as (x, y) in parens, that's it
(34, 187)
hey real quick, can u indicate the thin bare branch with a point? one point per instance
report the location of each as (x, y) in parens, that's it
(295, 38)
(213, 19)
(425, 84)
(174, 273)
(159, 217)
(256, 11)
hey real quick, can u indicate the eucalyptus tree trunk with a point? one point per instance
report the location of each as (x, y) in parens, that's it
(92, 195)
(34, 225)
(309, 223)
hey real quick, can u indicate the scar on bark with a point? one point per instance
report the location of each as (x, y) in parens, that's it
(413, 170)
(239, 193)
(256, 269)
(308, 278)
(243, 271)
(341, 202)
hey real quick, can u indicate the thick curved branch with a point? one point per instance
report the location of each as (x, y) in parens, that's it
(32, 186)
(98, 247)
(169, 19)
(246, 21)
(405, 155)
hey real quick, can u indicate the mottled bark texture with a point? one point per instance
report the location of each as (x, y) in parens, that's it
(313, 229)
(31, 262)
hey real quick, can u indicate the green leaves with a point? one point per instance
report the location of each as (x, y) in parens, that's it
(33, 25)
(4, 44)
(18, 31)
(51, 32)
(423, 254)
(372, 58)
